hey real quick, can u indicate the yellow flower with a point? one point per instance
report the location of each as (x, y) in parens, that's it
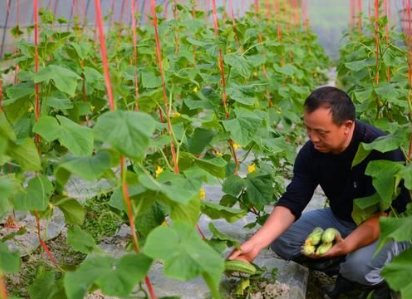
(229, 50)
(176, 115)
(159, 170)
(195, 89)
(251, 167)
(219, 154)
(92, 108)
(236, 145)
(164, 223)
(202, 193)
(31, 109)
(255, 73)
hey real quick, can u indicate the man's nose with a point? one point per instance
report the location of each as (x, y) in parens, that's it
(313, 137)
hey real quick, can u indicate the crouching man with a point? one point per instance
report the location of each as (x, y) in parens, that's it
(326, 160)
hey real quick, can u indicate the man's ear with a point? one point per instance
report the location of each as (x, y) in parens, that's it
(348, 124)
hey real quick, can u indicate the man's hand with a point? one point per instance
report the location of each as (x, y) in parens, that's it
(248, 252)
(279, 221)
(338, 249)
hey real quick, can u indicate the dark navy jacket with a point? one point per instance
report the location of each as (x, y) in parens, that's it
(340, 182)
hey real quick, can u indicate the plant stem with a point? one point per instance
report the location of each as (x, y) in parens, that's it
(42, 243)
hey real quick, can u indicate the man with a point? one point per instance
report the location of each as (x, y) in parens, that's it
(325, 160)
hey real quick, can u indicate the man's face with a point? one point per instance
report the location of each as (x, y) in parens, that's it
(327, 137)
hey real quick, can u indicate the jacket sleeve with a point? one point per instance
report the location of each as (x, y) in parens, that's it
(300, 190)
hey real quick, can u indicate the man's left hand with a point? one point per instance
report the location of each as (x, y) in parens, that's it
(338, 249)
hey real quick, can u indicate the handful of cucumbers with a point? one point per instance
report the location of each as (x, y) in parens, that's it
(319, 241)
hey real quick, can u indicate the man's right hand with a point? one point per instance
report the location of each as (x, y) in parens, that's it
(248, 252)
(279, 220)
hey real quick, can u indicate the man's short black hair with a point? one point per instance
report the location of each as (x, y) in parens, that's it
(336, 100)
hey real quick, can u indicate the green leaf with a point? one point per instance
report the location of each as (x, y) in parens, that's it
(396, 229)
(58, 103)
(383, 174)
(360, 64)
(150, 79)
(5, 128)
(48, 128)
(16, 110)
(149, 220)
(126, 131)
(389, 91)
(141, 195)
(64, 79)
(236, 94)
(259, 188)
(239, 63)
(216, 166)
(396, 272)
(216, 211)
(256, 60)
(26, 155)
(82, 49)
(76, 138)
(364, 207)
(188, 213)
(92, 75)
(381, 144)
(88, 168)
(288, 69)
(198, 43)
(128, 271)
(233, 185)
(35, 196)
(221, 236)
(244, 127)
(200, 139)
(184, 253)
(176, 187)
(302, 90)
(72, 210)
(114, 277)
(406, 175)
(7, 189)
(19, 91)
(80, 240)
(44, 286)
(10, 262)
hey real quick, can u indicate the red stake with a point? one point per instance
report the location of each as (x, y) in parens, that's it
(1, 96)
(16, 51)
(194, 17)
(159, 60)
(359, 16)
(377, 40)
(104, 55)
(122, 160)
(175, 16)
(3, 289)
(222, 70)
(234, 25)
(352, 13)
(36, 68)
(136, 83)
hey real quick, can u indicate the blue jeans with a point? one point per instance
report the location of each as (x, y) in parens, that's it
(360, 266)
